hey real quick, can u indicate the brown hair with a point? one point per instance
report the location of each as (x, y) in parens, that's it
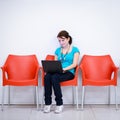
(65, 34)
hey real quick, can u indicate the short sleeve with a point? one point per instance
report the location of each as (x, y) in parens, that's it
(57, 51)
(75, 50)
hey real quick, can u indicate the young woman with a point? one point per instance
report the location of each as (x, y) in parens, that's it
(69, 56)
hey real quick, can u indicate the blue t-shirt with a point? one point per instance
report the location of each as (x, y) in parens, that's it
(66, 59)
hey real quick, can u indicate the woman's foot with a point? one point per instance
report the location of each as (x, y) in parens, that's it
(59, 109)
(47, 108)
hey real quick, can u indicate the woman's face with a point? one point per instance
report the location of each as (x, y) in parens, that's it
(63, 41)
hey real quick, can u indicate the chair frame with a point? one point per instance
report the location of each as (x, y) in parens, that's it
(85, 85)
(4, 76)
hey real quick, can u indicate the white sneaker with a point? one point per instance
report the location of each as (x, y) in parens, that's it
(47, 108)
(59, 109)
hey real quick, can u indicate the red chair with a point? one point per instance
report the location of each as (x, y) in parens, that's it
(73, 82)
(98, 71)
(20, 70)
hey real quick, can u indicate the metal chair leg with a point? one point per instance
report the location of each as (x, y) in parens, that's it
(73, 95)
(2, 105)
(116, 103)
(77, 97)
(8, 95)
(109, 95)
(34, 91)
(37, 97)
(83, 90)
(42, 98)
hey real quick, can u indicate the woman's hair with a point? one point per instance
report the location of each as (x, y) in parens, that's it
(65, 34)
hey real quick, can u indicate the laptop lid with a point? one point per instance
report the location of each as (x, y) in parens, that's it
(52, 66)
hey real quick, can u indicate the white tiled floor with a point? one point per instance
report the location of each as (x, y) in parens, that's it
(90, 112)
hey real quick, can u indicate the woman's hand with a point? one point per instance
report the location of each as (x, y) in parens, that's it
(64, 70)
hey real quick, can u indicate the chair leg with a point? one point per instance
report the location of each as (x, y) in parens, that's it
(76, 97)
(34, 91)
(83, 90)
(2, 105)
(73, 95)
(116, 98)
(37, 97)
(42, 98)
(8, 95)
(109, 95)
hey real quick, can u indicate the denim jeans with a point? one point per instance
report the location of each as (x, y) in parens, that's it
(53, 81)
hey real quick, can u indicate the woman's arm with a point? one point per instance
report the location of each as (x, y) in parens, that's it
(75, 62)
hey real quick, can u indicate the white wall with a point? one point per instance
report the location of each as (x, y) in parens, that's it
(31, 26)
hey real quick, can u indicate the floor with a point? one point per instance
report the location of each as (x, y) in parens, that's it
(90, 112)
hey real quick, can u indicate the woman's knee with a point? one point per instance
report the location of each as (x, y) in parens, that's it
(55, 78)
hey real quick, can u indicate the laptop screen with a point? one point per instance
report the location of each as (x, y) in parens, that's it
(52, 66)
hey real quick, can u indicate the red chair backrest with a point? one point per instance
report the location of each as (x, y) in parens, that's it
(50, 57)
(21, 67)
(97, 67)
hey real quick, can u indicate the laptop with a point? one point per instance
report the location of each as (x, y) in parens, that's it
(52, 66)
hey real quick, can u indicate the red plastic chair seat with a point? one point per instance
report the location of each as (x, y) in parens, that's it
(20, 82)
(98, 82)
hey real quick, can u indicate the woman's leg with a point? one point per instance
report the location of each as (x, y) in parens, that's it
(48, 89)
(57, 89)
(56, 79)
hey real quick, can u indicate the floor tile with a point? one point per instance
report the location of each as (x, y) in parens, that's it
(69, 113)
(15, 113)
(90, 112)
(105, 112)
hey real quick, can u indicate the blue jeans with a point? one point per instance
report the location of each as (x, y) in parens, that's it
(53, 80)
